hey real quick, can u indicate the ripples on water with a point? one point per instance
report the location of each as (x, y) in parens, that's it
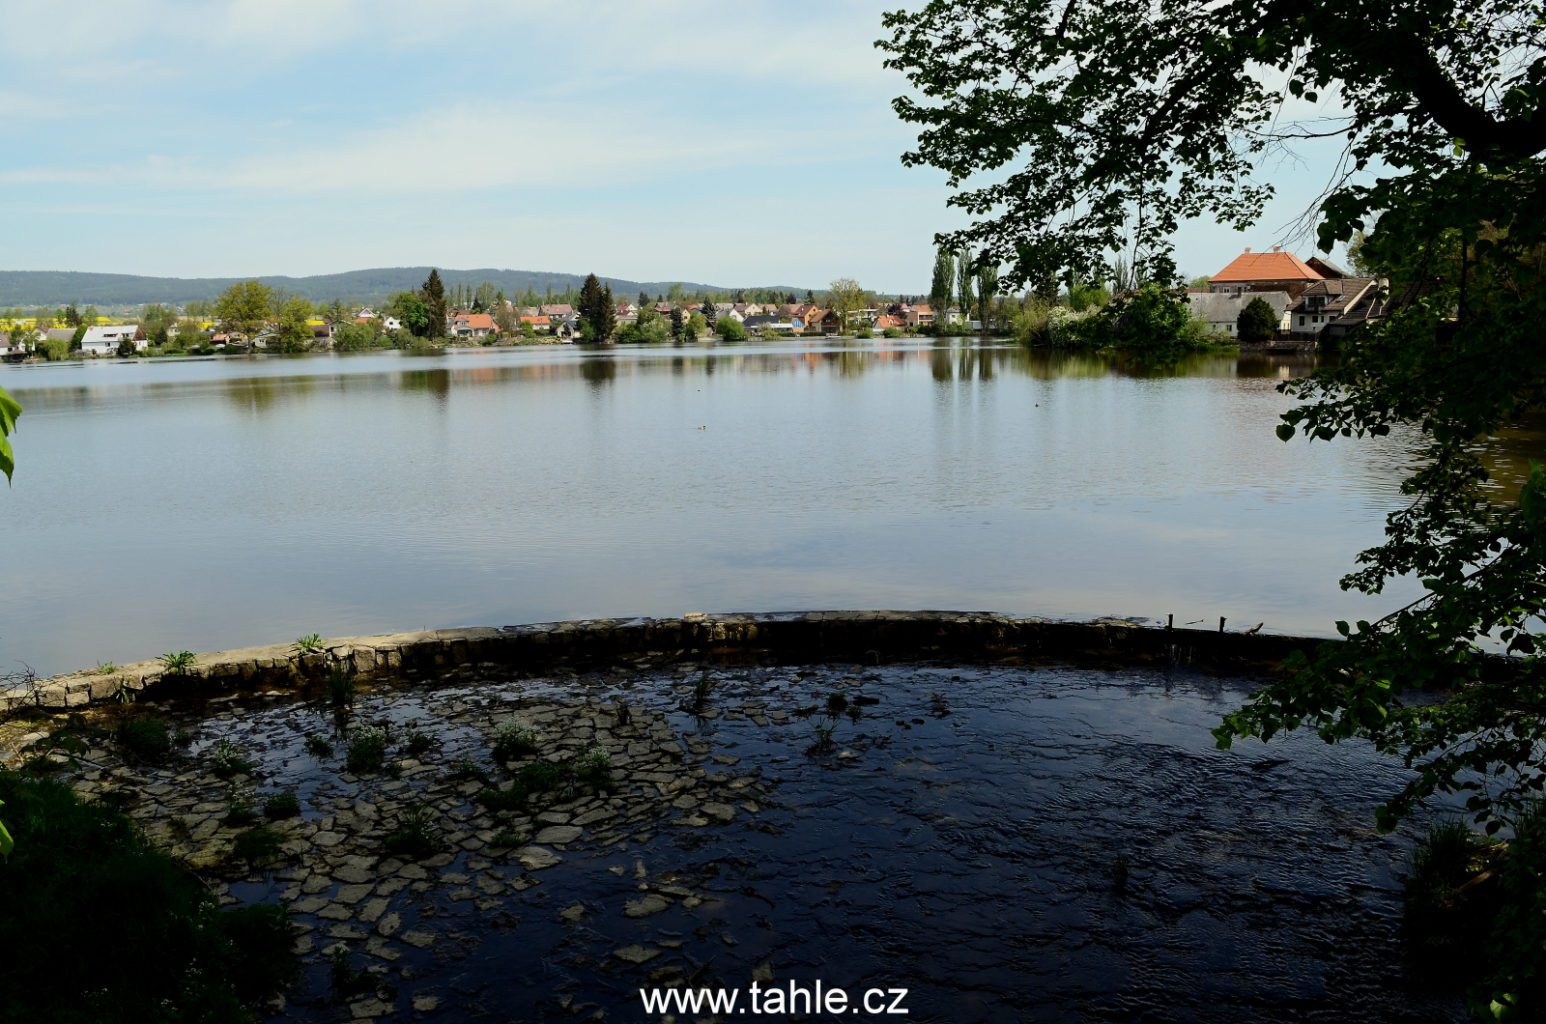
(959, 841)
(211, 503)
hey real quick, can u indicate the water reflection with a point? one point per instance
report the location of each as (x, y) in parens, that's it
(371, 492)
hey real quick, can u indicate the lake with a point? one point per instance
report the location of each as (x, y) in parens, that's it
(201, 504)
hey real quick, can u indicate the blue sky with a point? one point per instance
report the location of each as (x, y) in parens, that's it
(737, 143)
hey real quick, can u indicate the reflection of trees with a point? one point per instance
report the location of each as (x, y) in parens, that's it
(599, 369)
(1507, 454)
(436, 381)
(260, 394)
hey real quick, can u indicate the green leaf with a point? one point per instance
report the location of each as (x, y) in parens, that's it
(9, 410)
(7, 844)
(7, 462)
(1285, 432)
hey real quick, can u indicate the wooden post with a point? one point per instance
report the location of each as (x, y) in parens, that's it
(1221, 623)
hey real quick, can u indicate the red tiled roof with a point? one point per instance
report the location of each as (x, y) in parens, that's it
(475, 321)
(1266, 266)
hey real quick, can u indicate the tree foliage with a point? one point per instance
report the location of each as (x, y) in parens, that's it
(9, 410)
(292, 332)
(244, 308)
(598, 315)
(1257, 321)
(1063, 152)
(943, 281)
(434, 296)
(846, 297)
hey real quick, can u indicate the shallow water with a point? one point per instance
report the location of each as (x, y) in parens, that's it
(959, 840)
(201, 504)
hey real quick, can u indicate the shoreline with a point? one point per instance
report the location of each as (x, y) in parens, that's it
(795, 637)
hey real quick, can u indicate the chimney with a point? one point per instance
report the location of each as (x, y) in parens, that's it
(1248, 248)
(1277, 248)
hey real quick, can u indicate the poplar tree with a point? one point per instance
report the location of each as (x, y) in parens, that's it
(944, 279)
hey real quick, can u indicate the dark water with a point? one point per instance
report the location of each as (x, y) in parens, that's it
(203, 504)
(960, 840)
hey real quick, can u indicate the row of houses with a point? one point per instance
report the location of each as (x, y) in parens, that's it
(1314, 299)
(99, 340)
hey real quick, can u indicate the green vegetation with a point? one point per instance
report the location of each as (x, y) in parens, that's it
(340, 686)
(311, 643)
(239, 807)
(1256, 322)
(227, 762)
(106, 668)
(1473, 914)
(730, 329)
(512, 740)
(318, 746)
(257, 846)
(416, 835)
(145, 740)
(594, 768)
(165, 953)
(283, 804)
(176, 663)
(366, 750)
(418, 744)
(1444, 199)
(598, 314)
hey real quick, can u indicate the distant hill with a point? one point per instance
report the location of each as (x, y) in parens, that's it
(55, 288)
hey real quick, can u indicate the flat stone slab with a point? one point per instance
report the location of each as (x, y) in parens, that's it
(535, 858)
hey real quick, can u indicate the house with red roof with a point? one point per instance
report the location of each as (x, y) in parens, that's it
(1271, 271)
(472, 325)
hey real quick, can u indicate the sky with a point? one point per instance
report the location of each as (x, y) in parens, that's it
(734, 143)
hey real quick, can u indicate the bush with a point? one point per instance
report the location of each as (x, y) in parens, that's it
(863, 333)
(353, 338)
(367, 749)
(512, 740)
(284, 804)
(418, 744)
(145, 740)
(891, 332)
(416, 835)
(161, 949)
(1256, 321)
(227, 762)
(730, 329)
(258, 846)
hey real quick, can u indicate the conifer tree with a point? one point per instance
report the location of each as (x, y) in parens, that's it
(435, 298)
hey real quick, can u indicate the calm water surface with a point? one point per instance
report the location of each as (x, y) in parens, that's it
(212, 503)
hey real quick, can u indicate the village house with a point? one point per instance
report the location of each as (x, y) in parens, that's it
(538, 321)
(1273, 271)
(555, 309)
(104, 340)
(17, 342)
(1332, 308)
(1221, 310)
(471, 325)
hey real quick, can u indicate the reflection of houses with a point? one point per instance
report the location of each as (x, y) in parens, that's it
(104, 340)
(1329, 309)
(1221, 310)
(1274, 271)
